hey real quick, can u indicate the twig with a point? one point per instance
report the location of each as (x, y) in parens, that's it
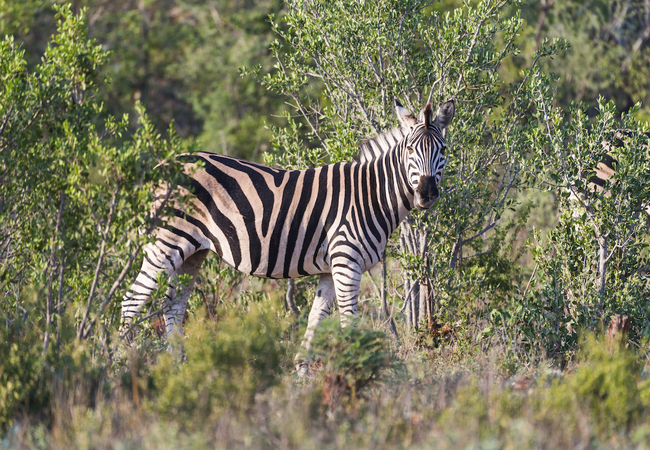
(100, 261)
(114, 288)
(530, 279)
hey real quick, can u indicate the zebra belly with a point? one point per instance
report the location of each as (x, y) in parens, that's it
(284, 265)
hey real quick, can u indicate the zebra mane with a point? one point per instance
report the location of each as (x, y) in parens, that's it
(373, 148)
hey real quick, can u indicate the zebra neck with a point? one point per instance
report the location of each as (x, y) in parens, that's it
(393, 195)
(401, 162)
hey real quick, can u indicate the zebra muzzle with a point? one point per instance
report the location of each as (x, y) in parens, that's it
(426, 193)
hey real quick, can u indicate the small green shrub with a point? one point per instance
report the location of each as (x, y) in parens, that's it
(227, 362)
(353, 355)
(33, 383)
(21, 365)
(604, 386)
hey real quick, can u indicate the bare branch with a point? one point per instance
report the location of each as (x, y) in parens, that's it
(100, 261)
(4, 122)
(111, 293)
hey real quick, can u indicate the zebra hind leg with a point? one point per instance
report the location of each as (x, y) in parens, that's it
(321, 308)
(155, 262)
(177, 296)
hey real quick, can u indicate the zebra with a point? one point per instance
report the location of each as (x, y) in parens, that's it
(596, 185)
(598, 177)
(333, 221)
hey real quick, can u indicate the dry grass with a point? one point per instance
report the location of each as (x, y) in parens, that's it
(430, 399)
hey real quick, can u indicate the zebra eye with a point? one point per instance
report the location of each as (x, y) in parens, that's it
(410, 149)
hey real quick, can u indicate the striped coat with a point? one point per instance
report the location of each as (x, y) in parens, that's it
(333, 221)
(605, 169)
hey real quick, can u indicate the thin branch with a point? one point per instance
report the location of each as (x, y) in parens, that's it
(302, 111)
(112, 291)
(477, 254)
(472, 45)
(362, 108)
(4, 122)
(487, 228)
(406, 299)
(59, 307)
(530, 279)
(55, 242)
(100, 261)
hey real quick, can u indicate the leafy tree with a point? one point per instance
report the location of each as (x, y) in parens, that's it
(593, 264)
(361, 56)
(72, 196)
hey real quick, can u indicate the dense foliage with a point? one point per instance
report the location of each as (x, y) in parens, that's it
(72, 200)
(498, 293)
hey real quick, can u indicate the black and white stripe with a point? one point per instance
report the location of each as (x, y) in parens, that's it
(604, 171)
(333, 220)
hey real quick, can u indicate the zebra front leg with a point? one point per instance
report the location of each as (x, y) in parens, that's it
(321, 308)
(347, 279)
(176, 298)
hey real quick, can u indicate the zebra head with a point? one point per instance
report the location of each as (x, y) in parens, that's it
(425, 147)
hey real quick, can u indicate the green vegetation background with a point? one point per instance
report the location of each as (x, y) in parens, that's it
(502, 370)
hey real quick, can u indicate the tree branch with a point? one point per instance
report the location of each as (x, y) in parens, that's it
(100, 261)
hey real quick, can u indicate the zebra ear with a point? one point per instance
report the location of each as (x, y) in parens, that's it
(445, 114)
(404, 115)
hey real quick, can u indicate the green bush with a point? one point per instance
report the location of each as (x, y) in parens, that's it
(352, 354)
(227, 362)
(21, 364)
(605, 385)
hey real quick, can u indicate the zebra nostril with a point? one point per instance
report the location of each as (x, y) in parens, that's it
(428, 188)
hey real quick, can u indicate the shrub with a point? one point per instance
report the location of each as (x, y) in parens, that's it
(605, 383)
(34, 383)
(227, 362)
(352, 356)
(21, 364)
